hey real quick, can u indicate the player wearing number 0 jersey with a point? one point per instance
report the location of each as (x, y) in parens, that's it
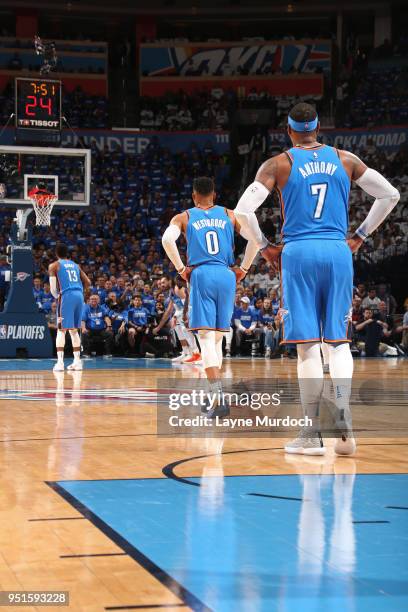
(210, 252)
(209, 232)
(67, 283)
(313, 183)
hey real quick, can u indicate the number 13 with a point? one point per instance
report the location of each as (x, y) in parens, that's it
(319, 190)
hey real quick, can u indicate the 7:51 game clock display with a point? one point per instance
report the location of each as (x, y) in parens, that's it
(38, 104)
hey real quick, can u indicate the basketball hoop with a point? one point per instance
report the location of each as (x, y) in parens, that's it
(43, 203)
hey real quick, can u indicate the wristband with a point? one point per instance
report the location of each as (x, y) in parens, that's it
(244, 269)
(360, 234)
(181, 270)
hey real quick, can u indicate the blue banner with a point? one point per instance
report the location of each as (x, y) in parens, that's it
(134, 142)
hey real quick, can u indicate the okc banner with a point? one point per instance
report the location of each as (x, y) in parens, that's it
(387, 138)
(226, 59)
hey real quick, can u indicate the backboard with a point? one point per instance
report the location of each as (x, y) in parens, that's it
(65, 172)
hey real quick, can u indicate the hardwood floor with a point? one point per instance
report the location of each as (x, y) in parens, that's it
(99, 425)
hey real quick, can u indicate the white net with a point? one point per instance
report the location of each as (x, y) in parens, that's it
(43, 203)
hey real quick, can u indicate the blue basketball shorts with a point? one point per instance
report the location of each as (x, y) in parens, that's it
(212, 295)
(70, 307)
(316, 291)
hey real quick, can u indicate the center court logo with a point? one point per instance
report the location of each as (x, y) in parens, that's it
(22, 332)
(21, 276)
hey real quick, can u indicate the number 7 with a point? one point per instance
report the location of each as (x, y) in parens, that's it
(320, 190)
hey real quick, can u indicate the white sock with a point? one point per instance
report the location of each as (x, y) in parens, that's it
(228, 338)
(325, 352)
(76, 344)
(341, 372)
(60, 355)
(218, 347)
(310, 374)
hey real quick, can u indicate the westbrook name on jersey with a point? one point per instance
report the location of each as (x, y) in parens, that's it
(210, 251)
(210, 237)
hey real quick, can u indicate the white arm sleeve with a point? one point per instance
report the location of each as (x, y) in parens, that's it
(251, 252)
(252, 198)
(373, 183)
(53, 286)
(169, 245)
(250, 229)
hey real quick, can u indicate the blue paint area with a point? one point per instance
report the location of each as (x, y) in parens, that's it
(238, 552)
(97, 363)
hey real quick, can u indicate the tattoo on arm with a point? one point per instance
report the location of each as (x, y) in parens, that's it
(267, 173)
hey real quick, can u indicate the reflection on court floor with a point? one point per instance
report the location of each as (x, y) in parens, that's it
(308, 542)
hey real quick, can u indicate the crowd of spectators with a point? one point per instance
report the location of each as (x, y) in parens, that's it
(372, 98)
(213, 110)
(117, 243)
(130, 315)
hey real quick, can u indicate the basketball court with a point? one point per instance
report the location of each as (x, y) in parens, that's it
(96, 503)
(102, 503)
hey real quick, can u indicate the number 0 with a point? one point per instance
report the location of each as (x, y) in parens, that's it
(211, 239)
(319, 190)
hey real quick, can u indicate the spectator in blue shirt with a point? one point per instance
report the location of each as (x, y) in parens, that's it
(126, 297)
(268, 327)
(273, 295)
(38, 291)
(99, 289)
(246, 326)
(46, 299)
(118, 316)
(96, 326)
(137, 320)
(148, 300)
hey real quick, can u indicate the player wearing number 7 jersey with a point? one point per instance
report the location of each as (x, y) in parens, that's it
(209, 232)
(313, 184)
(67, 283)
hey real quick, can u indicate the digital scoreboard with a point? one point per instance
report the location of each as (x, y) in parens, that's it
(38, 108)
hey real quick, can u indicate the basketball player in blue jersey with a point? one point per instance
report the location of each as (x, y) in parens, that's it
(209, 232)
(67, 283)
(313, 183)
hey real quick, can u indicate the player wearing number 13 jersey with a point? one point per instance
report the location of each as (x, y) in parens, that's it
(67, 283)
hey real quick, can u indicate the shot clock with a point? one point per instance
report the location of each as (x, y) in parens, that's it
(38, 109)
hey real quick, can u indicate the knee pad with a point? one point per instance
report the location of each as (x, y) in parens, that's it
(208, 348)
